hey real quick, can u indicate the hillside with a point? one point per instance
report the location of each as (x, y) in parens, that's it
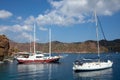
(4, 47)
(76, 47)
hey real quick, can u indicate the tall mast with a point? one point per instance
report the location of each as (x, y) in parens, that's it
(34, 38)
(30, 44)
(98, 47)
(49, 42)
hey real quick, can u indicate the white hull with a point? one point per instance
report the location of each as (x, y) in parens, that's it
(37, 58)
(90, 66)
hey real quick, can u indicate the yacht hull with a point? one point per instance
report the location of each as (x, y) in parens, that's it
(21, 61)
(42, 60)
(92, 66)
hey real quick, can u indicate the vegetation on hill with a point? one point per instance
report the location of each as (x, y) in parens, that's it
(89, 46)
(8, 47)
(4, 47)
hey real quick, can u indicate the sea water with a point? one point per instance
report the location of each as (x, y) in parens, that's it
(60, 71)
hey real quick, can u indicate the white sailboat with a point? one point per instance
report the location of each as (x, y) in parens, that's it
(38, 57)
(94, 65)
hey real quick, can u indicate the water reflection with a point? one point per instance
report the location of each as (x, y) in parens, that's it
(35, 71)
(107, 73)
(30, 67)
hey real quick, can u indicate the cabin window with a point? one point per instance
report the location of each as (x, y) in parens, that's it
(23, 56)
(26, 56)
(38, 56)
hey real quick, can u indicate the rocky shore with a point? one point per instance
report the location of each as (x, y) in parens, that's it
(4, 47)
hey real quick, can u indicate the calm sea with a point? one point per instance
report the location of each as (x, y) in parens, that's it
(60, 71)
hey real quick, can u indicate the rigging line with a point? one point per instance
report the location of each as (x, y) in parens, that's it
(103, 34)
(101, 28)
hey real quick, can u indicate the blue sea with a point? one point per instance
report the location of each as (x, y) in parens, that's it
(60, 71)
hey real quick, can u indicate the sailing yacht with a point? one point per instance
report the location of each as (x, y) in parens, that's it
(93, 65)
(38, 57)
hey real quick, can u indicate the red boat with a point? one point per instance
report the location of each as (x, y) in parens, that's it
(38, 57)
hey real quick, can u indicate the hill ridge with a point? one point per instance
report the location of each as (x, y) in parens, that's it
(57, 46)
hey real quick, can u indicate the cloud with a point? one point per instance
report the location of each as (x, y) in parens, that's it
(22, 37)
(26, 35)
(62, 13)
(3, 28)
(30, 20)
(19, 18)
(105, 7)
(15, 28)
(43, 28)
(20, 28)
(67, 12)
(20, 32)
(5, 14)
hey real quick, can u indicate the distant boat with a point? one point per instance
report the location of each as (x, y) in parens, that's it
(38, 57)
(92, 65)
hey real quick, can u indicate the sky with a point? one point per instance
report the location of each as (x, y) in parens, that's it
(69, 20)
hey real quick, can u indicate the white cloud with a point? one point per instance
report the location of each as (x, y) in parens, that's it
(30, 20)
(63, 13)
(5, 14)
(50, 18)
(3, 28)
(19, 18)
(21, 33)
(20, 28)
(43, 28)
(67, 12)
(26, 35)
(22, 37)
(15, 28)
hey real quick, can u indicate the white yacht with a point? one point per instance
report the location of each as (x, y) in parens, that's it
(93, 65)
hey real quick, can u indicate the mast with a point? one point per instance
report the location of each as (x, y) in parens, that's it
(34, 39)
(49, 42)
(30, 44)
(98, 47)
